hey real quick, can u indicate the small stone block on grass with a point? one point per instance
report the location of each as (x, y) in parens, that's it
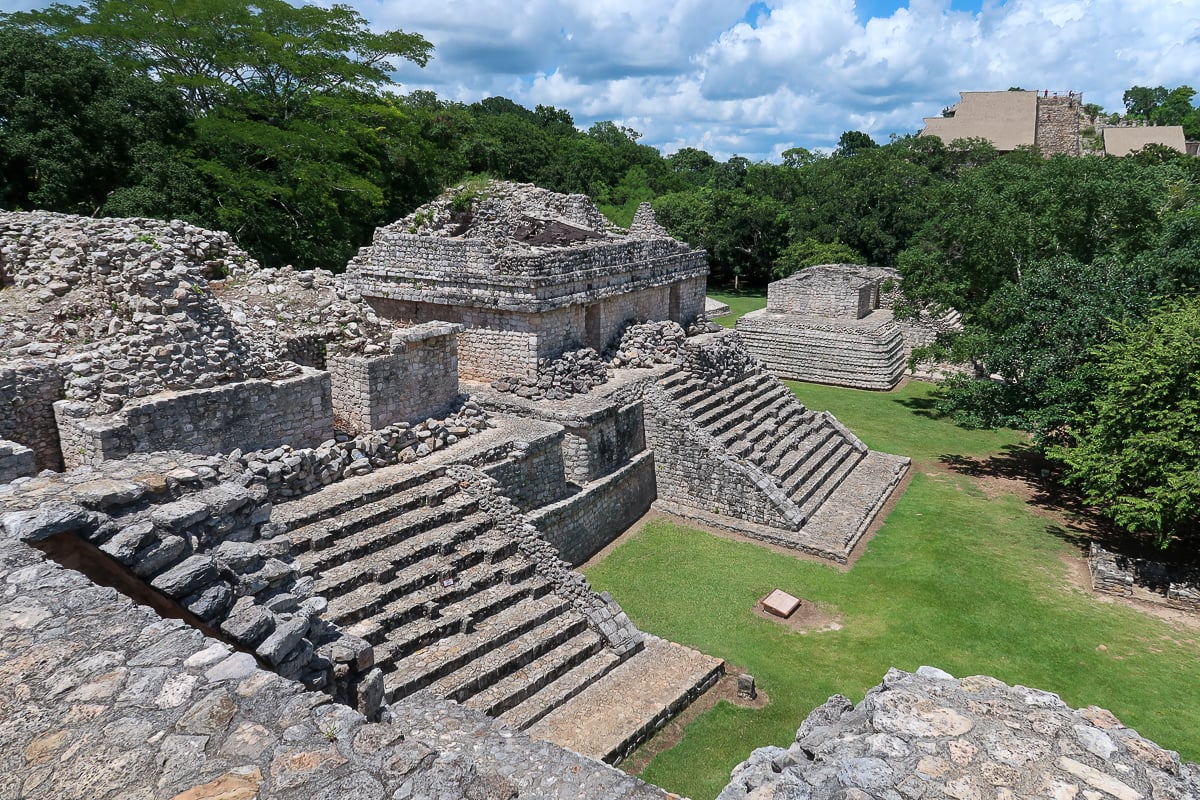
(780, 603)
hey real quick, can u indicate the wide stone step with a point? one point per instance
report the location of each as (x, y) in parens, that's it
(412, 591)
(689, 392)
(717, 405)
(678, 383)
(520, 655)
(435, 552)
(383, 535)
(534, 620)
(327, 532)
(752, 407)
(414, 623)
(336, 498)
(799, 464)
(798, 425)
(835, 473)
(559, 691)
(624, 707)
(521, 685)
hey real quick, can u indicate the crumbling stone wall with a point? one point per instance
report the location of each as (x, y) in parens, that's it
(417, 380)
(603, 442)
(1057, 129)
(527, 287)
(16, 461)
(1112, 573)
(165, 711)
(250, 414)
(28, 390)
(198, 531)
(532, 475)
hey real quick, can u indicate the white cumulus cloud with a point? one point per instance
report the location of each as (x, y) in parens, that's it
(756, 78)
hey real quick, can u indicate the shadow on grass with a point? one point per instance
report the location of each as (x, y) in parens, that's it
(1038, 481)
(922, 406)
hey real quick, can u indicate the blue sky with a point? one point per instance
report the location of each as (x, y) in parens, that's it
(755, 78)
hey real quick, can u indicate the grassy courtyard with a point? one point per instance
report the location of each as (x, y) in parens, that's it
(965, 575)
(739, 302)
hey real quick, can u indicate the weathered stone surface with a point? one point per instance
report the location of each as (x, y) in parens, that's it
(928, 735)
(780, 603)
(48, 519)
(186, 577)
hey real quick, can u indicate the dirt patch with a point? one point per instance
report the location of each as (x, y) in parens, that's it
(810, 617)
(672, 733)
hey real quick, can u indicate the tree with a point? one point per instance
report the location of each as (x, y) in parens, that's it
(851, 142)
(208, 49)
(808, 253)
(1140, 101)
(293, 146)
(1037, 336)
(1138, 446)
(74, 130)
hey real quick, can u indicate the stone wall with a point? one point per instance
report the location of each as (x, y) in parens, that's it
(865, 354)
(417, 380)
(603, 442)
(499, 343)
(836, 291)
(401, 266)
(250, 414)
(532, 474)
(28, 390)
(1057, 130)
(585, 523)
(197, 531)
(1173, 585)
(16, 461)
(694, 471)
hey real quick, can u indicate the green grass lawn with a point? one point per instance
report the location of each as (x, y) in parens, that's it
(739, 303)
(956, 579)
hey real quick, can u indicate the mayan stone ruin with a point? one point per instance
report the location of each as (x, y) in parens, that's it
(835, 324)
(281, 534)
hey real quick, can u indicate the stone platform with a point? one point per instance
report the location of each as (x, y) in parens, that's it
(617, 713)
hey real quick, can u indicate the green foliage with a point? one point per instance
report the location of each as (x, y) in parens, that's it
(215, 50)
(1037, 336)
(1138, 446)
(809, 252)
(852, 142)
(74, 130)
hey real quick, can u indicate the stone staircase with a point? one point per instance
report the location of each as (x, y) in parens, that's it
(795, 466)
(411, 563)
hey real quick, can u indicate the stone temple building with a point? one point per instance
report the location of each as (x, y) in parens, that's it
(1054, 122)
(834, 324)
(529, 274)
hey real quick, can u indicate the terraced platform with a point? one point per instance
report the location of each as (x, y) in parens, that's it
(820, 485)
(868, 353)
(410, 562)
